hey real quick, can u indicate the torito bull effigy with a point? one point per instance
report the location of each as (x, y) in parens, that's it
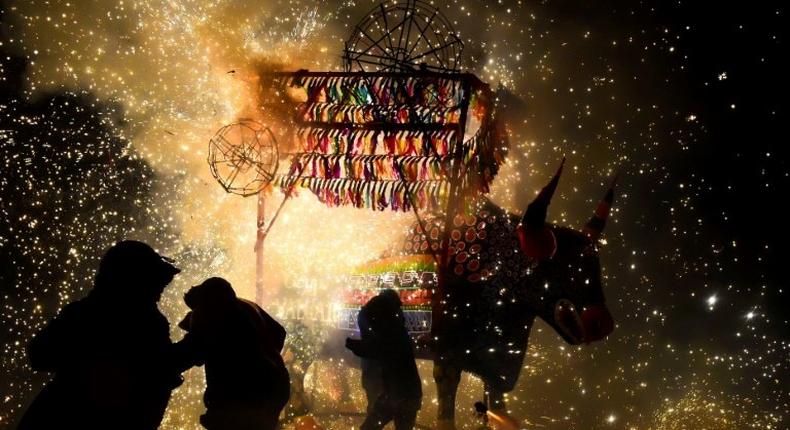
(503, 272)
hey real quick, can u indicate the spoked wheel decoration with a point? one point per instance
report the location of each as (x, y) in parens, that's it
(403, 37)
(243, 157)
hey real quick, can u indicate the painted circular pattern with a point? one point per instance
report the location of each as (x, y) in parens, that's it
(459, 269)
(474, 249)
(473, 265)
(456, 235)
(461, 257)
(458, 220)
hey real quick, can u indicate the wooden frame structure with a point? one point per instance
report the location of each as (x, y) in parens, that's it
(414, 141)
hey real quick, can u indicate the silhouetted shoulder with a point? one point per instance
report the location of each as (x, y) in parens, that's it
(273, 330)
(53, 346)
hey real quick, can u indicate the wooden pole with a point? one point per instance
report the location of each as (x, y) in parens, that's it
(263, 231)
(259, 240)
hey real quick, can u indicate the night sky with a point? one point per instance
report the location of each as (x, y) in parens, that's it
(107, 107)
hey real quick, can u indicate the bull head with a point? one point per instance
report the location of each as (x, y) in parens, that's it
(566, 261)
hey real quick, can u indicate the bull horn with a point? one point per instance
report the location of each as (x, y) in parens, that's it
(535, 215)
(596, 224)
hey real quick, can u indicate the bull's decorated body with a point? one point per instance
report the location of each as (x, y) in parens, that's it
(503, 271)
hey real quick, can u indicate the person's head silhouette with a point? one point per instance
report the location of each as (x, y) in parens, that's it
(391, 297)
(213, 295)
(383, 312)
(135, 271)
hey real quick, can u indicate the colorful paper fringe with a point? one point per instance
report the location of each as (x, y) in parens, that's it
(381, 90)
(377, 195)
(374, 140)
(372, 167)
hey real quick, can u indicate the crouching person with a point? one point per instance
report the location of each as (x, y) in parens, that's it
(387, 342)
(247, 384)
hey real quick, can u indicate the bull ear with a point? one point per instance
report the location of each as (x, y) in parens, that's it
(537, 243)
(535, 215)
(536, 239)
(596, 224)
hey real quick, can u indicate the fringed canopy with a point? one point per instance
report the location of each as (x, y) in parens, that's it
(387, 140)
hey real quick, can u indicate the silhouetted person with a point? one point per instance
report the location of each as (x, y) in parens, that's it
(372, 377)
(247, 384)
(113, 362)
(386, 341)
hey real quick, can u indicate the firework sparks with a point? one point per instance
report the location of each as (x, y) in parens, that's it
(108, 108)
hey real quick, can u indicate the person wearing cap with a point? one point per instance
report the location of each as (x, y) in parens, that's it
(113, 362)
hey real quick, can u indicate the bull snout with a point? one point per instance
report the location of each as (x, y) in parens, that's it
(598, 323)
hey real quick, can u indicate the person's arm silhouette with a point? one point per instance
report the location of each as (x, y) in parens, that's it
(368, 347)
(189, 351)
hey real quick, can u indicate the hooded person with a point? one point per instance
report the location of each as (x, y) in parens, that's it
(386, 347)
(113, 361)
(247, 383)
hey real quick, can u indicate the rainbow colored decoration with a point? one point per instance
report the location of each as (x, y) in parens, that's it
(412, 276)
(389, 140)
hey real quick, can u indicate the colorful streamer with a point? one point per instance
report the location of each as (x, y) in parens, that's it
(372, 194)
(375, 142)
(333, 113)
(383, 141)
(373, 167)
(381, 90)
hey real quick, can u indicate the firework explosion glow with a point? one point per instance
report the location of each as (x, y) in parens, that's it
(107, 108)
